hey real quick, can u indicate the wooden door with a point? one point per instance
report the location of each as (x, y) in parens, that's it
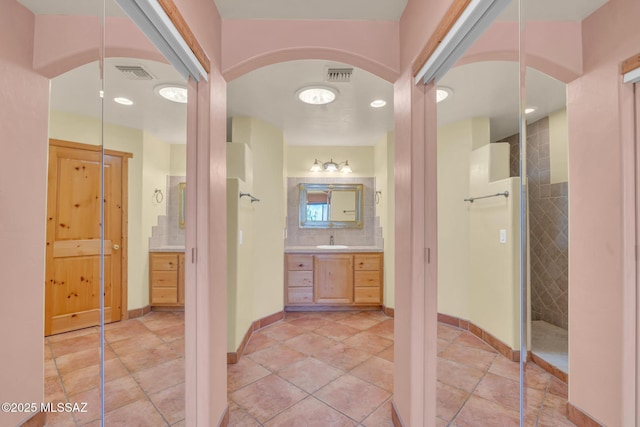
(333, 279)
(74, 245)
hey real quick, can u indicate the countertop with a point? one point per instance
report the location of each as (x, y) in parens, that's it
(313, 249)
(167, 248)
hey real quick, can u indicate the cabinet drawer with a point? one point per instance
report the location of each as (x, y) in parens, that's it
(300, 295)
(164, 261)
(299, 279)
(367, 278)
(164, 278)
(299, 262)
(368, 262)
(164, 295)
(367, 295)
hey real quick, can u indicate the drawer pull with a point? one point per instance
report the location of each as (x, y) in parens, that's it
(300, 265)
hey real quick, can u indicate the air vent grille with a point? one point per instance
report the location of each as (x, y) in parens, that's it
(135, 72)
(339, 75)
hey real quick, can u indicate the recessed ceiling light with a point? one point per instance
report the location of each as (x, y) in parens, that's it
(378, 103)
(123, 101)
(529, 110)
(317, 95)
(173, 93)
(442, 93)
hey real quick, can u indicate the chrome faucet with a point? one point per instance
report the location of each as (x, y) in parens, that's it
(331, 242)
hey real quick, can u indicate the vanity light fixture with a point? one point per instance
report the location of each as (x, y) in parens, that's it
(123, 101)
(317, 95)
(331, 166)
(442, 93)
(172, 93)
(378, 103)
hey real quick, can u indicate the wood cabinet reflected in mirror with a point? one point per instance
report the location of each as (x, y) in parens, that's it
(331, 205)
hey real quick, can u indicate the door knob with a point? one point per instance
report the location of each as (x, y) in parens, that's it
(116, 247)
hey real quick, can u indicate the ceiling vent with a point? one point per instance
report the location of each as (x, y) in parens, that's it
(135, 72)
(339, 75)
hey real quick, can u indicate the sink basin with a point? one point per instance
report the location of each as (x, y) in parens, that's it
(332, 247)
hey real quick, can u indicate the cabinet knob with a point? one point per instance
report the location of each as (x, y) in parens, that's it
(300, 265)
(116, 247)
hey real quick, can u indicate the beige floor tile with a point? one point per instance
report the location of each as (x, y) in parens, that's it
(277, 357)
(352, 396)
(170, 403)
(314, 413)
(376, 371)
(267, 397)
(310, 374)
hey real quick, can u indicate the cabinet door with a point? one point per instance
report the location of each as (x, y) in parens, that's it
(333, 279)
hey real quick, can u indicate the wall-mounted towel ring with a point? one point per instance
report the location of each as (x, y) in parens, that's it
(378, 194)
(158, 196)
(253, 199)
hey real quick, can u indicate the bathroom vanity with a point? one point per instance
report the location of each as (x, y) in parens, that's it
(166, 279)
(333, 278)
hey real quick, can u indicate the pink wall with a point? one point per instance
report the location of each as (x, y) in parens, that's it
(63, 43)
(372, 45)
(416, 224)
(206, 326)
(600, 319)
(23, 120)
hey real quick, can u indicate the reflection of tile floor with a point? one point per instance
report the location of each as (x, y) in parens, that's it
(319, 369)
(144, 373)
(551, 344)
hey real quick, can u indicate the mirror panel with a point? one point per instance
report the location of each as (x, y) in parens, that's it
(331, 205)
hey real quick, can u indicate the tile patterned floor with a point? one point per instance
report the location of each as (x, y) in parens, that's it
(144, 373)
(315, 369)
(479, 387)
(312, 369)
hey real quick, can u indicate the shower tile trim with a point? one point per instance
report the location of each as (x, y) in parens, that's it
(562, 376)
(502, 348)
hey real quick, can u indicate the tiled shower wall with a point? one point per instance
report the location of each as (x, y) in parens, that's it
(548, 227)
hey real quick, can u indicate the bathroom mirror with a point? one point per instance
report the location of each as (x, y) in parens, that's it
(331, 205)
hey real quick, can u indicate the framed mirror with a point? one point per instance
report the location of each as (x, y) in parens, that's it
(331, 205)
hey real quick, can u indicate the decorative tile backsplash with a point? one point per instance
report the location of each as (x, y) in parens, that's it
(548, 225)
(167, 232)
(369, 235)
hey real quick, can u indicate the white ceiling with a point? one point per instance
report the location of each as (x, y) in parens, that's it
(78, 92)
(488, 89)
(270, 94)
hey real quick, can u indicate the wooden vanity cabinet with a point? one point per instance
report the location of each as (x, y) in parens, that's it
(317, 280)
(299, 276)
(333, 279)
(368, 279)
(166, 279)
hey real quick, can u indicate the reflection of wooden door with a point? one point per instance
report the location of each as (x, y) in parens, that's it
(72, 286)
